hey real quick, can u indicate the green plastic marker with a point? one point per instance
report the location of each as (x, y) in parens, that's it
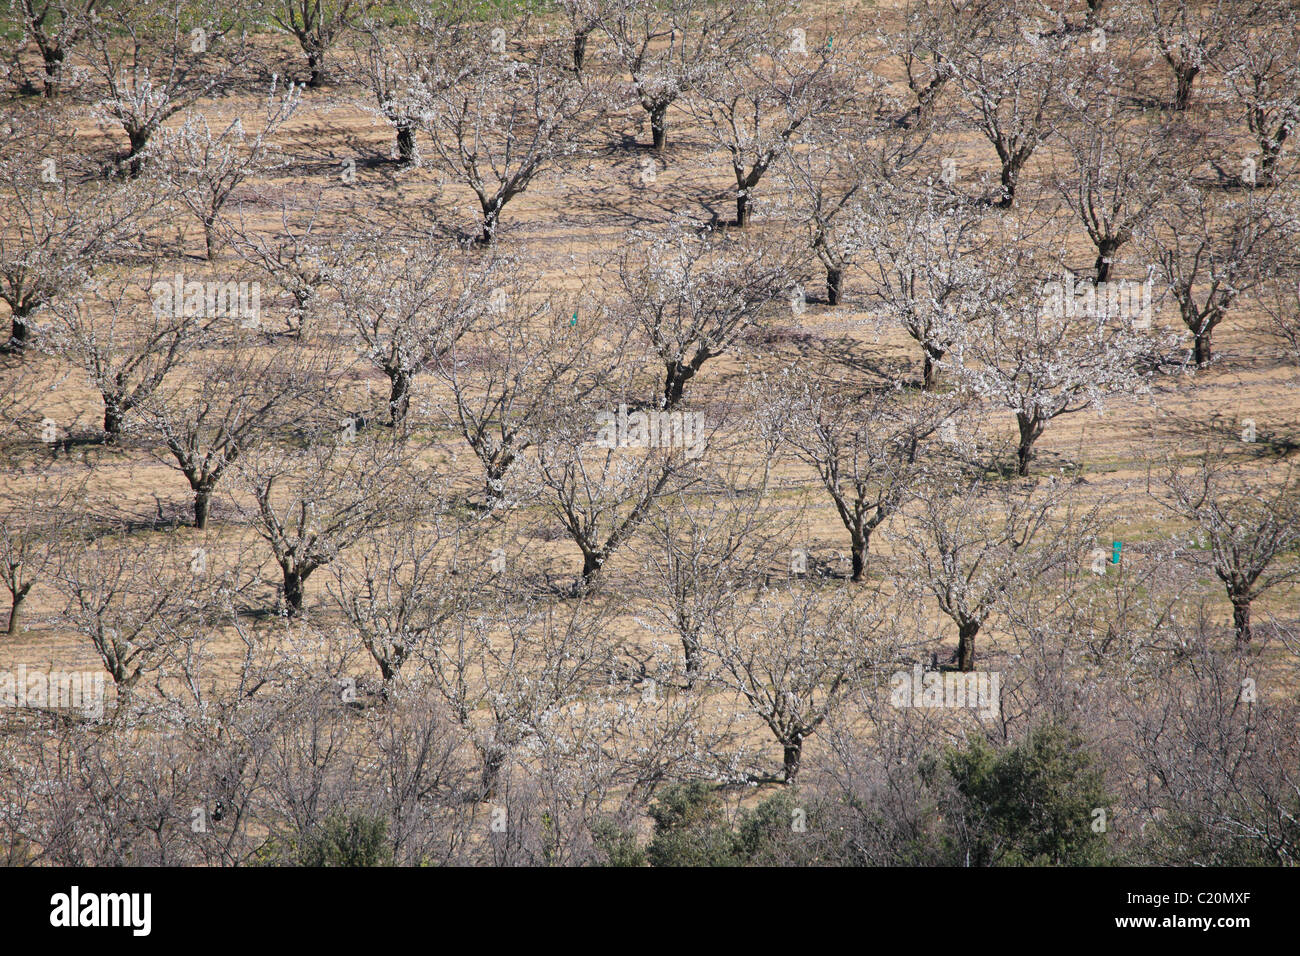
(574, 320)
(830, 40)
(1118, 546)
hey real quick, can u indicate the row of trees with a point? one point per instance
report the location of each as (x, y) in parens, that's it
(692, 535)
(854, 170)
(354, 643)
(973, 300)
(550, 765)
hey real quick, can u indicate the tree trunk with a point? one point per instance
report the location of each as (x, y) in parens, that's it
(591, 565)
(316, 64)
(113, 416)
(495, 482)
(694, 659)
(674, 385)
(202, 506)
(579, 49)
(53, 73)
(491, 218)
(1106, 250)
(658, 128)
(1029, 432)
(927, 94)
(834, 283)
(1024, 455)
(209, 236)
(1270, 149)
(399, 396)
(742, 208)
(966, 645)
(930, 370)
(139, 139)
(1009, 176)
(301, 299)
(19, 332)
(1241, 620)
(1202, 352)
(293, 586)
(792, 756)
(494, 758)
(858, 554)
(16, 611)
(1186, 76)
(405, 143)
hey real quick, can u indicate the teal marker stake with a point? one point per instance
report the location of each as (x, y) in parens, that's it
(1118, 546)
(574, 320)
(830, 40)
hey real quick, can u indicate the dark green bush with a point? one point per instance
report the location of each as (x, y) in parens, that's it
(1028, 804)
(691, 829)
(617, 846)
(351, 839)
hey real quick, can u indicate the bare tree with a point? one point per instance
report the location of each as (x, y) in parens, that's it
(1116, 169)
(867, 451)
(930, 267)
(455, 666)
(57, 227)
(973, 545)
(515, 374)
(1212, 250)
(752, 106)
(1190, 35)
(702, 552)
(317, 25)
(56, 27)
(206, 167)
(585, 18)
(297, 258)
(311, 504)
(1011, 82)
(509, 671)
(123, 598)
(692, 297)
(1281, 303)
(403, 589)
(404, 63)
(1043, 354)
(1249, 524)
(216, 407)
(1261, 68)
(33, 523)
(795, 659)
(602, 495)
(668, 47)
(504, 124)
(406, 310)
(834, 173)
(1217, 778)
(929, 44)
(23, 390)
(124, 346)
(155, 61)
